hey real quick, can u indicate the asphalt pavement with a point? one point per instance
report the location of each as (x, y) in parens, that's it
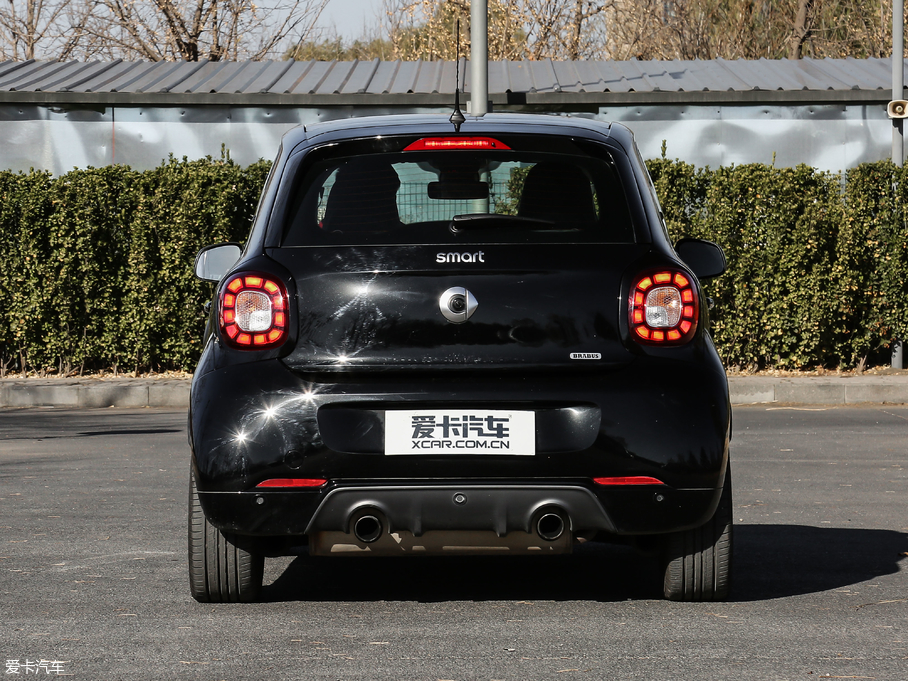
(167, 392)
(93, 575)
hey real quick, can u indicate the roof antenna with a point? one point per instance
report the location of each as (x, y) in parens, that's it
(457, 118)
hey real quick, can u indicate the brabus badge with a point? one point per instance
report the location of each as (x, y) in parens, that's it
(586, 355)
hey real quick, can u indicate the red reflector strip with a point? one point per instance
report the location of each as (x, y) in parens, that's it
(455, 143)
(631, 480)
(293, 482)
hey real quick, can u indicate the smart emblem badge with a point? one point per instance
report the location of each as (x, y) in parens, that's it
(457, 304)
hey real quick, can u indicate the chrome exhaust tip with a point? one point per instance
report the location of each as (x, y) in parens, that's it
(367, 529)
(550, 526)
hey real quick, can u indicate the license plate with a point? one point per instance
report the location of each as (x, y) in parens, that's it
(460, 431)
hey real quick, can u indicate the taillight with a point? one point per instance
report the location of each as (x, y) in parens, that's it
(254, 312)
(454, 143)
(664, 308)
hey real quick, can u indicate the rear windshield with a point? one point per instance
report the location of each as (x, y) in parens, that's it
(458, 196)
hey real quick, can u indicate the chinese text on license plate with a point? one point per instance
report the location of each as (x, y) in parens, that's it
(460, 431)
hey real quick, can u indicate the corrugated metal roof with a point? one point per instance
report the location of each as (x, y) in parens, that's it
(417, 83)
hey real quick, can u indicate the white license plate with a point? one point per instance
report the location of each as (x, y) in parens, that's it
(460, 431)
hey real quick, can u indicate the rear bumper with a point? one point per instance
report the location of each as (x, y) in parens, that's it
(418, 508)
(661, 418)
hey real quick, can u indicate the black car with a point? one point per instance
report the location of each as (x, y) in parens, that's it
(447, 342)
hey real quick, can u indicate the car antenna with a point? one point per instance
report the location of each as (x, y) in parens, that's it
(457, 118)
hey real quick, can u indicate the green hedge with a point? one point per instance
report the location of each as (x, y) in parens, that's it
(818, 262)
(96, 265)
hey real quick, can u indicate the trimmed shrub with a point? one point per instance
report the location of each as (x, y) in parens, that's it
(97, 264)
(816, 267)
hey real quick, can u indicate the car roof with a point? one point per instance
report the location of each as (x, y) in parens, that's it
(435, 124)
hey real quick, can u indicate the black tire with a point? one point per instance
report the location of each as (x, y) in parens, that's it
(219, 571)
(698, 561)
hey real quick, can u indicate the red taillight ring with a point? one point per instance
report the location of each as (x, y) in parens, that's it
(680, 314)
(253, 311)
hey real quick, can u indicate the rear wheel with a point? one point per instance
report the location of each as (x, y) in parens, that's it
(698, 561)
(219, 571)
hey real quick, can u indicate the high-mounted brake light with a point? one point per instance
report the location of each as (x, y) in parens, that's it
(253, 312)
(664, 308)
(456, 143)
(293, 482)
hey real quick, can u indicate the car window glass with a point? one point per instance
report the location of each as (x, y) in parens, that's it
(445, 197)
(655, 195)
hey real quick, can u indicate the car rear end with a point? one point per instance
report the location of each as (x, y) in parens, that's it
(444, 343)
